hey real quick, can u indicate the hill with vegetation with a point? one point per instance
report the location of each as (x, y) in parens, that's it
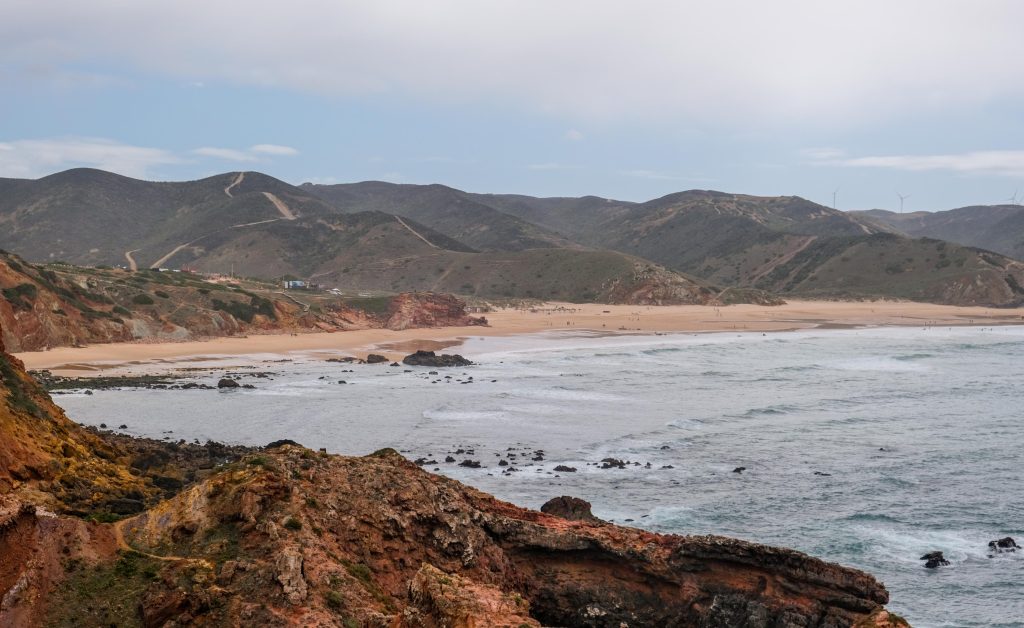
(998, 228)
(253, 225)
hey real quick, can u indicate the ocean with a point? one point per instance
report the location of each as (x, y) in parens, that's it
(867, 447)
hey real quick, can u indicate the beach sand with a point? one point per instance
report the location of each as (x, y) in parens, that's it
(611, 319)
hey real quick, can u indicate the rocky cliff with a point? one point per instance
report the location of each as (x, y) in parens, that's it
(61, 305)
(288, 536)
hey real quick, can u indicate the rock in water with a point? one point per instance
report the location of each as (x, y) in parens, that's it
(934, 559)
(571, 508)
(429, 358)
(1002, 545)
(375, 358)
(227, 383)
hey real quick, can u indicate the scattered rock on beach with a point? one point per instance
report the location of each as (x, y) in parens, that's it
(565, 469)
(227, 383)
(429, 358)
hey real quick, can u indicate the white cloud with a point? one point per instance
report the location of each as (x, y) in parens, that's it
(228, 154)
(274, 149)
(823, 153)
(1008, 163)
(574, 135)
(39, 157)
(798, 61)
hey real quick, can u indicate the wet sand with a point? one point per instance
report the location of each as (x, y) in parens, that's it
(610, 319)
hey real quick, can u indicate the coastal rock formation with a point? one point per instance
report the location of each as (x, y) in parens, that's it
(286, 536)
(1003, 545)
(62, 305)
(428, 309)
(571, 508)
(429, 358)
(934, 559)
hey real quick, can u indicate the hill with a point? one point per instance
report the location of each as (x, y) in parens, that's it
(786, 245)
(62, 305)
(449, 211)
(254, 225)
(998, 228)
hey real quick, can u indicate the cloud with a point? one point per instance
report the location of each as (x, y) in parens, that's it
(228, 154)
(274, 149)
(34, 158)
(1009, 163)
(823, 153)
(574, 136)
(253, 154)
(797, 61)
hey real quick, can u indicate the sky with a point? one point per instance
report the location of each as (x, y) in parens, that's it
(856, 102)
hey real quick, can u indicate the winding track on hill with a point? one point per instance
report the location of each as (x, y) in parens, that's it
(281, 207)
(132, 264)
(415, 233)
(238, 179)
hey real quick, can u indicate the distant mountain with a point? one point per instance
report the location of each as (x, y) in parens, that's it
(998, 228)
(255, 225)
(447, 210)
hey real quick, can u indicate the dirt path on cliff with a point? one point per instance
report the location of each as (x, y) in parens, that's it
(281, 207)
(238, 179)
(132, 264)
(415, 233)
(123, 545)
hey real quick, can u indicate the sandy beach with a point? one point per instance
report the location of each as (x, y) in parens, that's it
(611, 319)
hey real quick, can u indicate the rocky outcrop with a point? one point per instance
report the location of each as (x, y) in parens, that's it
(378, 541)
(429, 358)
(571, 508)
(440, 599)
(429, 309)
(934, 559)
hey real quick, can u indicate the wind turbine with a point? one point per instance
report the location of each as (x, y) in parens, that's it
(903, 197)
(834, 193)
(1013, 199)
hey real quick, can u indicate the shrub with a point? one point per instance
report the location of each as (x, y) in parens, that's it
(123, 311)
(142, 299)
(292, 523)
(162, 294)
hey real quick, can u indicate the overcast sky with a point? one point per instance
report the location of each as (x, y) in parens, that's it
(628, 100)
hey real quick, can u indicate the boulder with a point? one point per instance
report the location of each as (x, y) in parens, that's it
(429, 358)
(1003, 545)
(571, 508)
(934, 559)
(227, 383)
(565, 469)
(375, 358)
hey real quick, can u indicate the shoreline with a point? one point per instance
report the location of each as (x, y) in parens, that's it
(612, 320)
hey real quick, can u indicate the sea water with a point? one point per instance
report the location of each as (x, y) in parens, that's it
(866, 447)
